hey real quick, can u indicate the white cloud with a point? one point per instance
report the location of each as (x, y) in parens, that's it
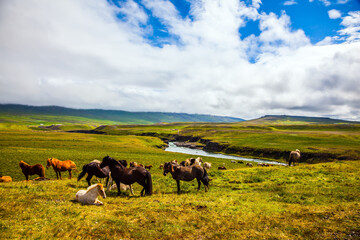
(92, 59)
(334, 14)
(352, 26)
(290, 2)
(326, 2)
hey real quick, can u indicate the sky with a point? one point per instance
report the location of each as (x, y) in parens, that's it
(234, 58)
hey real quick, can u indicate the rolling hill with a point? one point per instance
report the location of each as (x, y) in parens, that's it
(55, 114)
(284, 119)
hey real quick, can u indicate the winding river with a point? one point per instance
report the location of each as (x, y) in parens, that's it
(198, 152)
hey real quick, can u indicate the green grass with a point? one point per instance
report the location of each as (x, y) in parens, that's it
(319, 201)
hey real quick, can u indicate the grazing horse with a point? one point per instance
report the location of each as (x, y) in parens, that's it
(61, 166)
(31, 170)
(89, 196)
(187, 174)
(135, 164)
(93, 168)
(128, 176)
(294, 156)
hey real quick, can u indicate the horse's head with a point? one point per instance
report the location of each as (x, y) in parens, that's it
(105, 162)
(101, 190)
(48, 163)
(123, 162)
(168, 167)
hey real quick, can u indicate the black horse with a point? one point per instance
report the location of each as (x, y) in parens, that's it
(187, 174)
(128, 176)
(93, 168)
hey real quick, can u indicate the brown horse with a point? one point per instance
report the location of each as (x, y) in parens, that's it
(61, 166)
(294, 156)
(31, 170)
(128, 176)
(187, 174)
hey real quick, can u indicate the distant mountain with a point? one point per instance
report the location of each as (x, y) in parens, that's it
(299, 119)
(58, 114)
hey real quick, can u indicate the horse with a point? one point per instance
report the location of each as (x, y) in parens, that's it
(89, 196)
(93, 168)
(135, 164)
(128, 176)
(5, 179)
(61, 166)
(123, 187)
(148, 166)
(187, 174)
(294, 156)
(207, 165)
(31, 170)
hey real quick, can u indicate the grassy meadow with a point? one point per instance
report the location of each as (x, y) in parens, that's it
(309, 201)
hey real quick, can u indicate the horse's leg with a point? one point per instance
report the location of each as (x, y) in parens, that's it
(27, 177)
(107, 181)
(60, 175)
(178, 186)
(70, 174)
(199, 183)
(131, 189)
(88, 178)
(118, 186)
(57, 175)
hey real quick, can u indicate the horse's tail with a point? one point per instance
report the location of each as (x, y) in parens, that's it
(148, 190)
(205, 178)
(82, 174)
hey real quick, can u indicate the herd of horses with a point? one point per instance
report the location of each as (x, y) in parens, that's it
(124, 177)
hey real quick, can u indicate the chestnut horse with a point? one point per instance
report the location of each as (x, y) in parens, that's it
(61, 166)
(31, 170)
(187, 174)
(128, 175)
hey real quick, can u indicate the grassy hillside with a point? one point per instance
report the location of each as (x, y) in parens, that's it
(53, 114)
(319, 201)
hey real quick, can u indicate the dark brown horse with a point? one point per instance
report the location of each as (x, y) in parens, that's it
(31, 170)
(128, 176)
(93, 168)
(187, 174)
(61, 166)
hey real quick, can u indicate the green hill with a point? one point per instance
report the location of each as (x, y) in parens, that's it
(55, 114)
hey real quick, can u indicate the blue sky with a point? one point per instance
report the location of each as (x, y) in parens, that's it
(237, 58)
(310, 16)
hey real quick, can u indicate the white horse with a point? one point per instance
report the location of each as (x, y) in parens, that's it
(89, 196)
(294, 156)
(207, 165)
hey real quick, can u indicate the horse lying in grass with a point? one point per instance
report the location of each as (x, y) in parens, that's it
(128, 176)
(294, 157)
(27, 169)
(187, 174)
(61, 166)
(89, 196)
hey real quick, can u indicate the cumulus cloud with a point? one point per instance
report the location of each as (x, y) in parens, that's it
(334, 14)
(93, 59)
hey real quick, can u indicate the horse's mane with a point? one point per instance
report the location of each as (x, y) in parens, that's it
(95, 186)
(116, 162)
(22, 163)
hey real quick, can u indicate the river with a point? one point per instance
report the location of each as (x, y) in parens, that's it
(198, 152)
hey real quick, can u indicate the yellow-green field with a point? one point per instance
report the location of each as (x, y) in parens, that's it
(317, 201)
